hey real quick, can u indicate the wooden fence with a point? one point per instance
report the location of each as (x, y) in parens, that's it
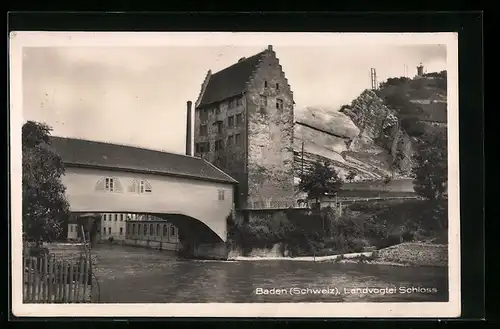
(48, 279)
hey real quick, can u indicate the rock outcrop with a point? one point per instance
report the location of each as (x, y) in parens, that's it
(375, 135)
(364, 138)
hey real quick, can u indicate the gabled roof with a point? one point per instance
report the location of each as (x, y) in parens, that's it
(231, 81)
(92, 154)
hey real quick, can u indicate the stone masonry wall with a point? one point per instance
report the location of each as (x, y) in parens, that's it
(270, 133)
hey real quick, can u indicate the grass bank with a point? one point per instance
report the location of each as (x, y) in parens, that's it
(362, 227)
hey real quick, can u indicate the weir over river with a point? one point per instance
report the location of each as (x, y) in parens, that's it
(134, 275)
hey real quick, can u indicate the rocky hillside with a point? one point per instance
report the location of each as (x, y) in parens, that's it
(373, 136)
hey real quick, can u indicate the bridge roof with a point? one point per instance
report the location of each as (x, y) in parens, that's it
(92, 154)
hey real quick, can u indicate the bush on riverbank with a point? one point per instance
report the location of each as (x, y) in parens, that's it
(361, 226)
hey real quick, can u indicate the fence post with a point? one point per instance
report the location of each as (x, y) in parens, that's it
(28, 278)
(33, 278)
(51, 278)
(85, 277)
(70, 297)
(40, 278)
(80, 277)
(24, 278)
(65, 281)
(46, 278)
(60, 279)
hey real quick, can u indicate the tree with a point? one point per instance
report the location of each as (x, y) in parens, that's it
(351, 175)
(387, 180)
(431, 166)
(320, 180)
(45, 208)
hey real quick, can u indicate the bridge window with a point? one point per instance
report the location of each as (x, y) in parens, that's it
(151, 229)
(140, 186)
(221, 194)
(104, 217)
(172, 231)
(110, 184)
(158, 232)
(109, 230)
(121, 230)
(145, 229)
(133, 228)
(165, 230)
(116, 217)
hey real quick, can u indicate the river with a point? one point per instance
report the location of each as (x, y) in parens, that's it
(128, 274)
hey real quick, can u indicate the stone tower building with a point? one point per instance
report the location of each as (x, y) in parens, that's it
(244, 126)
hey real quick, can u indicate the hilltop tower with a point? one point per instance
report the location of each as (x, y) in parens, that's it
(420, 70)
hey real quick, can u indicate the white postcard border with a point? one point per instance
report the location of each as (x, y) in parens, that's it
(18, 40)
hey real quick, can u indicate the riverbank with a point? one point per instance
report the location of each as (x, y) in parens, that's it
(404, 254)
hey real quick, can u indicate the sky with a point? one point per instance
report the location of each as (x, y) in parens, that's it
(137, 95)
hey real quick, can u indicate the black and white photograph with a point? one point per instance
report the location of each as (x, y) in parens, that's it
(234, 174)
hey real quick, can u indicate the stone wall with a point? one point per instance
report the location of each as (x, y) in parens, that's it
(215, 251)
(152, 244)
(270, 110)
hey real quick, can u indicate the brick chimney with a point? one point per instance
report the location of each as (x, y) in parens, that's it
(188, 130)
(270, 47)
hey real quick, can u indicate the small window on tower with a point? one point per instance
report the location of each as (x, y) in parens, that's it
(203, 130)
(219, 145)
(221, 195)
(203, 115)
(277, 86)
(279, 104)
(239, 119)
(265, 84)
(219, 126)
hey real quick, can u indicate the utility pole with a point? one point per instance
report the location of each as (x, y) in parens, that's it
(373, 75)
(302, 159)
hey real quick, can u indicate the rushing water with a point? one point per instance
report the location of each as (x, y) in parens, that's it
(136, 275)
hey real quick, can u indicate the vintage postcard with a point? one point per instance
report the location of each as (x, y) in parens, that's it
(234, 174)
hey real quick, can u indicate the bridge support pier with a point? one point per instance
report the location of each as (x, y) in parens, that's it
(204, 250)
